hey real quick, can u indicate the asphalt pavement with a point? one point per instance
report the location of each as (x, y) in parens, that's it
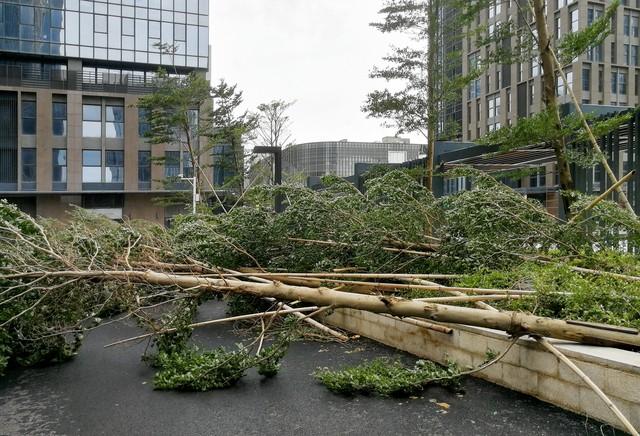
(110, 392)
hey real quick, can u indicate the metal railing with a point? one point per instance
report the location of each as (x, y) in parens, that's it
(19, 76)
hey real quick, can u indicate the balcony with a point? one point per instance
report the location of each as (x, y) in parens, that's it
(18, 76)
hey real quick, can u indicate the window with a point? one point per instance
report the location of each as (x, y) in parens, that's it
(91, 166)
(586, 79)
(59, 122)
(115, 122)
(627, 25)
(60, 165)
(493, 106)
(143, 122)
(187, 167)
(626, 54)
(171, 163)
(535, 67)
(634, 25)
(91, 121)
(573, 20)
(144, 166)
(538, 179)
(634, 55)
(28, 164)
(28, 117)
(114, 166)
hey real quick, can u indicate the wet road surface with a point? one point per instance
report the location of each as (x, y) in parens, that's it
(110, 391)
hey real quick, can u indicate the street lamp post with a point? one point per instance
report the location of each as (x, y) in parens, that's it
(194, 192)
(277, 176)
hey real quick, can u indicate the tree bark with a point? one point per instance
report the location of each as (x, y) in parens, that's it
(551, 102)
(514, 323)
(432, 100)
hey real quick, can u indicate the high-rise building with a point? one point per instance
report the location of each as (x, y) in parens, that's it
(606, 78)
(71, 73)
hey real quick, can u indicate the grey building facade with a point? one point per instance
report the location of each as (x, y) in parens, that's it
(71, 73)
(606, 76)
(317, 159)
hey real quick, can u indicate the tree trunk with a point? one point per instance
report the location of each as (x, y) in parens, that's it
(432, 100)
(551, 102)
(515, 323)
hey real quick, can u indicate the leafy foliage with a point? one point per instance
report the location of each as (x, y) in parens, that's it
(388, 378)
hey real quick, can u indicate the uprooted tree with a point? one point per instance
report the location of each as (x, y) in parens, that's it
(487, 257)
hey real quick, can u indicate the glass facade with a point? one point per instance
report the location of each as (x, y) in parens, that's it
(113, 30)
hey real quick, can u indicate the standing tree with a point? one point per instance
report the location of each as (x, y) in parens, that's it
(425, 68)
(179, 113)
(233, 128)
(273, 130)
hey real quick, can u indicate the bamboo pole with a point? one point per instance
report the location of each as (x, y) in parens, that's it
(592, 138)
(625, 422)
(371, 286)
(468, 298)
(348, 275)
(216, 321)
(514, 323)
(602, 196)
(312, 322)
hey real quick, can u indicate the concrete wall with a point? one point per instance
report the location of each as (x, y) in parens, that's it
(526, 368)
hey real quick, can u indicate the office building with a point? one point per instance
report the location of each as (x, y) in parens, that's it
(317, 159)
(71, 73)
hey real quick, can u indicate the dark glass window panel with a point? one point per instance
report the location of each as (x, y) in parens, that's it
(172, 164)
(11, 20)
(57, 18)
(26, 15)
(91, 158)
(114, 174)
(57, 3)
(28, 156)
(59, 127)
(28, 164)
(60, 174)
(60, 157)
(27, 32)
(115, 113)
(91, 112)
(114, 158)
(28, 117)
(43, 24)
(143, 123)
(59, 110)
(144, 158)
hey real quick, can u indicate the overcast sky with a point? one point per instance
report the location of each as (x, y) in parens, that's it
(316, 52)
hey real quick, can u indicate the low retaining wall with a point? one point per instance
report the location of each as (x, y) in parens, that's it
(527, 368)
